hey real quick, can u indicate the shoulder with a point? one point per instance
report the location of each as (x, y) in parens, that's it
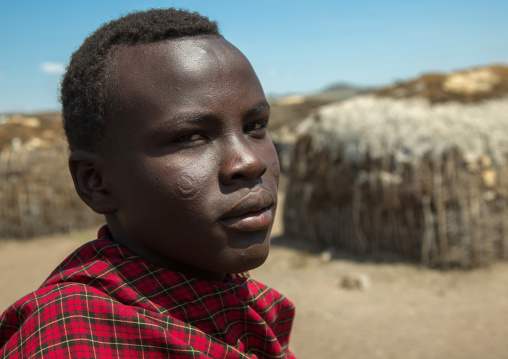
(51, 304)
(78, 299)
(62, 317)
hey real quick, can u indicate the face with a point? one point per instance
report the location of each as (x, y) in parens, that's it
(189, 161)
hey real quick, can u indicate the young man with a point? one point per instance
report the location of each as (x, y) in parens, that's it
(166, 122)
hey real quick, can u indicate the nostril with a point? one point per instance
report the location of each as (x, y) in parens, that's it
(244, 163)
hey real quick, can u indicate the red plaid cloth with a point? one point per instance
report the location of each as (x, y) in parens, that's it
(105, 302)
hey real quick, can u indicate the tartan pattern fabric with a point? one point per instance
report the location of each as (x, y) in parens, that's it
(105, 302)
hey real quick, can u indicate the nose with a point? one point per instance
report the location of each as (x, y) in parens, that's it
(242, 161)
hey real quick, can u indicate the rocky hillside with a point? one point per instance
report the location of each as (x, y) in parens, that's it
(467, 86)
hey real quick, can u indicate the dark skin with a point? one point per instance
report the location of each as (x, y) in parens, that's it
(188, 177)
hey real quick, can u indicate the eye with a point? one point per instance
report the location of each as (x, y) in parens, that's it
(256, 127)
(191, 137)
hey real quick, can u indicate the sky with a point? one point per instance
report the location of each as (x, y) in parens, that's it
(295, 46)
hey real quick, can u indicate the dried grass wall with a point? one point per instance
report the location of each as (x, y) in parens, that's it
(428, 182)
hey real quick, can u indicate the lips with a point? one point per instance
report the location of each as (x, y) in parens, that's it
(252, 212)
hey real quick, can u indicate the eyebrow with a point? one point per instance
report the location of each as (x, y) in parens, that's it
(263, 106)
(189, 117)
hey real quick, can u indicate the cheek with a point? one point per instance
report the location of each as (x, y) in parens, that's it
(275, 168)
(187, 186)
(273, 164)
(192, 183)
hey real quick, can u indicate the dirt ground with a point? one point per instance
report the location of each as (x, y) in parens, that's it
(400, 311)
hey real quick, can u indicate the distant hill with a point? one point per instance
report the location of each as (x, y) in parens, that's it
(466, 86)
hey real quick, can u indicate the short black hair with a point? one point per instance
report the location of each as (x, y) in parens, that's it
(84, 85)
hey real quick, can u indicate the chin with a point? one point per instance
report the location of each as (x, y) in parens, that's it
(250, 258)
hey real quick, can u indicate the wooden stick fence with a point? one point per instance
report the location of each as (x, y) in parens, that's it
(37, 194)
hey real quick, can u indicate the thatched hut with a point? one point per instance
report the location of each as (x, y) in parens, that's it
(429, 182)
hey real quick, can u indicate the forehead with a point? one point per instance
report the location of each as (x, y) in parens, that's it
(179, 64)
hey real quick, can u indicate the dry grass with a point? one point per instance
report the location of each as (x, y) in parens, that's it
(427, 182)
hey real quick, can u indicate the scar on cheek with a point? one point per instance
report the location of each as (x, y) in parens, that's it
(186, 186)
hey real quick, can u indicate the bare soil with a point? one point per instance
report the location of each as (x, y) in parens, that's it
(399, 310)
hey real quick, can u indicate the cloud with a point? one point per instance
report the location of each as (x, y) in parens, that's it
(53, 68)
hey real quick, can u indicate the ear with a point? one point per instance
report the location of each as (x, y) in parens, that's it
(87, 170)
